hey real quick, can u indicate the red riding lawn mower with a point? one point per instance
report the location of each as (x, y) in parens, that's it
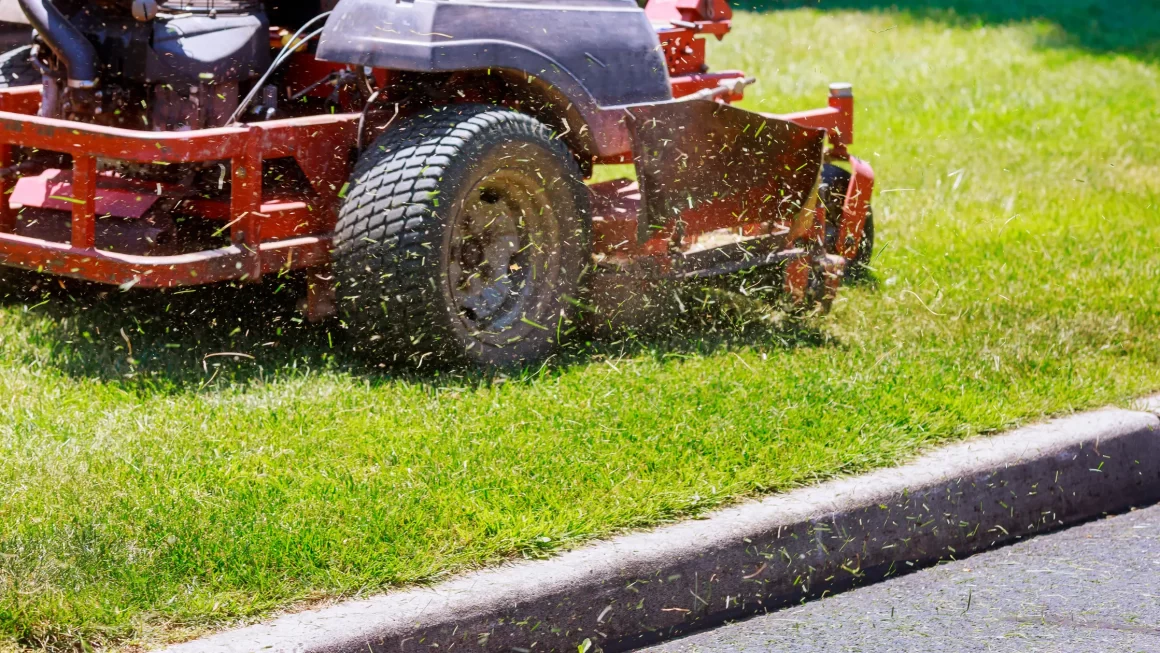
(423, 162)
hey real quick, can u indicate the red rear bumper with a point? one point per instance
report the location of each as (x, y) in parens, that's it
(321, 146)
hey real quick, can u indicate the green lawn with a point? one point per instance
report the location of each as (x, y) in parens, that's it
(154, 494)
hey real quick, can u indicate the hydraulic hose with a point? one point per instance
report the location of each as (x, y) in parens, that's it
(288, 49)
(74, 49)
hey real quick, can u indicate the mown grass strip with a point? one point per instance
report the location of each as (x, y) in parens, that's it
(153, 496)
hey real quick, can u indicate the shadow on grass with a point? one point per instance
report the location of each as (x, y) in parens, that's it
(202, 338)
(1130, 27)
(169, 340)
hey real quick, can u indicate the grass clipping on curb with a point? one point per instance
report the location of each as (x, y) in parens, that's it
(174, 463)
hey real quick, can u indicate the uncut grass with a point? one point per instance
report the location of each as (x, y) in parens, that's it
(150, 496)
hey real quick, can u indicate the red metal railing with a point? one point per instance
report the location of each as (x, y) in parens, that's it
(320, 145)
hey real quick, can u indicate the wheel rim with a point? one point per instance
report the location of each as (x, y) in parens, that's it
(501, 253)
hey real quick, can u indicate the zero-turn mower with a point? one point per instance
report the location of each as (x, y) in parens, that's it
(423, 162)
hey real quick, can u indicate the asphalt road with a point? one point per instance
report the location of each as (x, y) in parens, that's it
(1095, 587)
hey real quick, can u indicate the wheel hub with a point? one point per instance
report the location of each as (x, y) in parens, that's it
(490, 259)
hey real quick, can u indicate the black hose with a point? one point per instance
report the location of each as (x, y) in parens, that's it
(74, 49)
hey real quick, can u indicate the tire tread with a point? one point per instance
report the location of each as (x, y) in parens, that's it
(387, 237)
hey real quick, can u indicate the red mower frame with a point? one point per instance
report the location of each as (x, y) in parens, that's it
(268, 233)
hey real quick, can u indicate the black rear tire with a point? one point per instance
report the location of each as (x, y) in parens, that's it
(832, 194)
(463, 237)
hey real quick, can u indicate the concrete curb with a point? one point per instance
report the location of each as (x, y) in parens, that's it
(1148, 404)
(753, 557)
